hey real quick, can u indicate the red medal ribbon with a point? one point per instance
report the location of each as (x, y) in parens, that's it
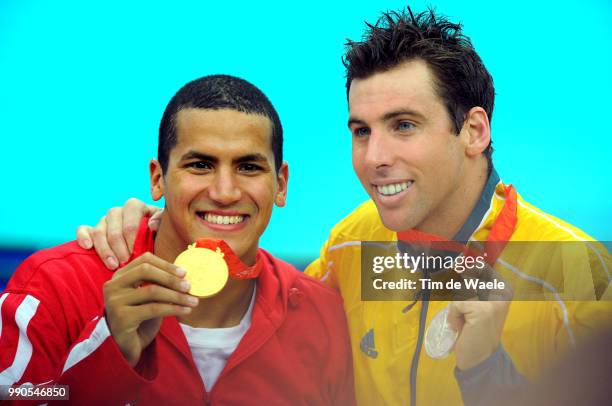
(237, 268)
(500, 233)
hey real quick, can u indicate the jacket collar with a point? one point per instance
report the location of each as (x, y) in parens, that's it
(480, 210)
(269, 312)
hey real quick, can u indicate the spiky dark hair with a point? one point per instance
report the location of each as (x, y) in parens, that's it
(460, 77)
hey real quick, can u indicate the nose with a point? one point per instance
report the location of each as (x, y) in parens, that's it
(380, 151)
(224, 189)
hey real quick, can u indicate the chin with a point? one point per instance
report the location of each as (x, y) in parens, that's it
(239, 248)
(398, 220)
(395, 224)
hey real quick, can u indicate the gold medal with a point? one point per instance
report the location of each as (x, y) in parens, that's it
(207, 271)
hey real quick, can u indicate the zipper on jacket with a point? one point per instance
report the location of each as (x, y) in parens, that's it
(417, 352)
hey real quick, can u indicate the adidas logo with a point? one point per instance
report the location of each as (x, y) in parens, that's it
(367, 344)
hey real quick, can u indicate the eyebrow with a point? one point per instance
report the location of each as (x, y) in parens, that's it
(198, 155)
(355, 121)
(251, 158)
(257, 157)
(389, 116)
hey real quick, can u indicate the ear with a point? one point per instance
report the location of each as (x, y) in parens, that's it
(478, 131)
(157, 179)
(282, 179)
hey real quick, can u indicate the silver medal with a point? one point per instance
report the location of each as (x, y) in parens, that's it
(439, 336)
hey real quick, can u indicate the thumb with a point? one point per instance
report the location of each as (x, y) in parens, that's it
(455, 318)
(155, 219)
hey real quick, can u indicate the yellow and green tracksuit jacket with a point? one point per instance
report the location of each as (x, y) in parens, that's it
(385, 337)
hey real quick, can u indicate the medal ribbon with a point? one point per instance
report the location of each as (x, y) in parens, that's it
(501, 232)
(237, 269)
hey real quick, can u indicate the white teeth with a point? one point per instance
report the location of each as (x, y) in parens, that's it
(212, 218)
(390, 190)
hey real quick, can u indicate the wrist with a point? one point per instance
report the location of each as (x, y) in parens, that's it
(469, 361)
(130, 356)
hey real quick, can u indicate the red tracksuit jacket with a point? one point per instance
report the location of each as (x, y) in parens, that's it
(296, 351)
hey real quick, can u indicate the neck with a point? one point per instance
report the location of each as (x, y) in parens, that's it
(225, 309)
(167, 242)
(447, 219)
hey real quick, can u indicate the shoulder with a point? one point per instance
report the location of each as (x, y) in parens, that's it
(318, 306)
(317, 290)
(66, 265)
(294, 281)
(362, 224)
(536, 225)
(63, 252)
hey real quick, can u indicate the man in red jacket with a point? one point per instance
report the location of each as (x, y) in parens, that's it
(136, 336)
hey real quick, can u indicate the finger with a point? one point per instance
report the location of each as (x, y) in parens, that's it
(157, 294)
(155, 219)
(155, 310)
(100, 242)
(455, 317)
(476, 277)
(84, 237)
(151, 269)
(465, 292)
(465, 307)
(152, 259)
(493, 292)
(114, 233)
(122, 319)
(133, 211)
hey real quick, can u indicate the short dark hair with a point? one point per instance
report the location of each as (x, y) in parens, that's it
(460, 77)
(216, 92)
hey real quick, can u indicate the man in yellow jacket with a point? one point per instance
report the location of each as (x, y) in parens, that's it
(420, 102)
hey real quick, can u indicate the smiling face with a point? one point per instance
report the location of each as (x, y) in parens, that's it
(220, 181)
(405, 152)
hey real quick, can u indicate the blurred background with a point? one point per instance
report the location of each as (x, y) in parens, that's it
(83, 86)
